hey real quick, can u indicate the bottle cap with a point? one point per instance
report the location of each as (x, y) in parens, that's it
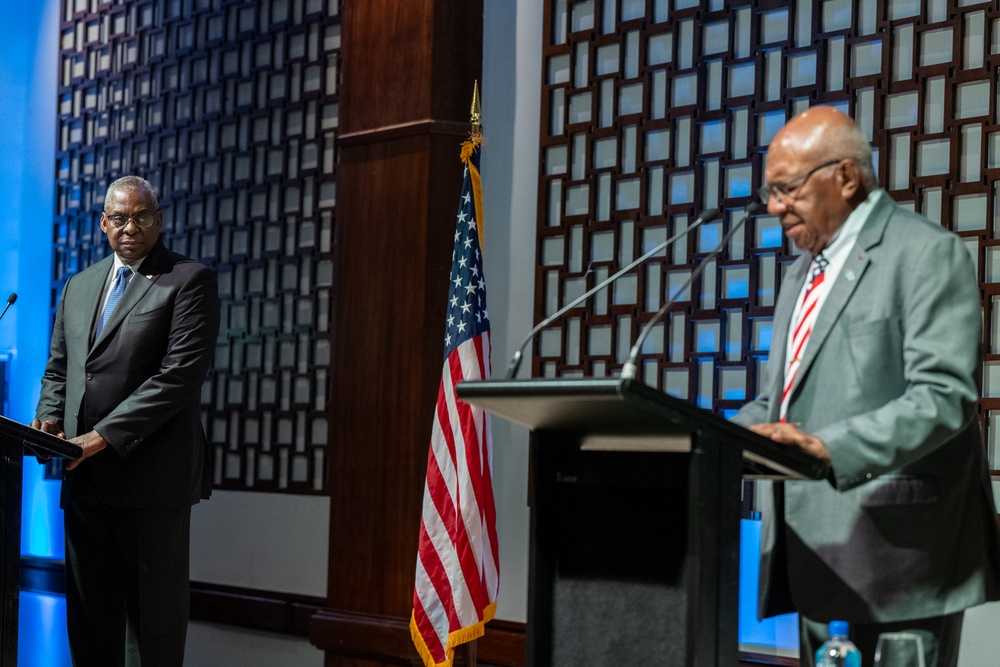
(838, 628)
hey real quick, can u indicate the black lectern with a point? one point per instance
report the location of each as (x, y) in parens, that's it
(635, 507)
(17, 440)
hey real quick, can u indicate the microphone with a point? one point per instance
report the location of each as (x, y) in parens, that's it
(629, 369)
(515, 362)
(10, 302)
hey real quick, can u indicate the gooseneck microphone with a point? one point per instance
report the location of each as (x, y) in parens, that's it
(515, 361)
(629, 369)
(10, 302)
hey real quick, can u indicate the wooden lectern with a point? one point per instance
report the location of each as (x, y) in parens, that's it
(18, 440)
(635, 509)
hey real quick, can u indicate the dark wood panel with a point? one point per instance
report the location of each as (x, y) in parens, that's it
(407, 60)
(408, 71)
(392, 280)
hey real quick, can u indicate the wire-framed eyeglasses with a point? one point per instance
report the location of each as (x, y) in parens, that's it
(142, 220)
(783, 191)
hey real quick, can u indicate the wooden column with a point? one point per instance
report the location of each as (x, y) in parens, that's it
(408, 72)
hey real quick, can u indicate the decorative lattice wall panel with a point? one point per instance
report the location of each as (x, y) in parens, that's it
(229, 107)
(654, 110)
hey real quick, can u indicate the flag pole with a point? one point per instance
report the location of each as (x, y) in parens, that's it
(476, 113)
(467, 655)
(468, 148)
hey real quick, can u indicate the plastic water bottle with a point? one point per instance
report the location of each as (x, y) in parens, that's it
(838, 651)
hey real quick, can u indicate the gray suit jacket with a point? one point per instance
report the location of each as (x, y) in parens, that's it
(139, 383)
(889, 381)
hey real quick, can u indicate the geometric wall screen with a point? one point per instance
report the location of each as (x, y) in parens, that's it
(654, 110)
(229, 108)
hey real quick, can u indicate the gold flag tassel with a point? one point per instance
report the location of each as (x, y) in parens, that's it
(468, 148)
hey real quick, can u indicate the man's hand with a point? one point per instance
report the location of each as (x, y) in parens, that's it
(789, 434)
(48, 427)
(91, 443)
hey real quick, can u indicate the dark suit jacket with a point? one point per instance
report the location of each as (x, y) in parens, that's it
(889, 381)
(139, 383)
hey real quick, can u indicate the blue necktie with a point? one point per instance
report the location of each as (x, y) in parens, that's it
(117, 290)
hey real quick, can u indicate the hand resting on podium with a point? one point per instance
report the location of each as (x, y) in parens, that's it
(789, 434)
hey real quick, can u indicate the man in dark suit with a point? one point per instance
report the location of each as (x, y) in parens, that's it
(131, 344)
(874, 367)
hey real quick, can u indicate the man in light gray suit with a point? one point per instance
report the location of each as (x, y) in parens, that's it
(874, 367)
(131, 344)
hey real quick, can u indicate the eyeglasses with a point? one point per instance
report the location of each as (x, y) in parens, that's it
(782, 191)
(142, 220)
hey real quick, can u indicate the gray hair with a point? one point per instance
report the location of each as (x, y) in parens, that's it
(132, 183)
(851, 143)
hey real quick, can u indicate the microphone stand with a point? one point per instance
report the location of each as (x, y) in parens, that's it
(515, 362)
(629, 368)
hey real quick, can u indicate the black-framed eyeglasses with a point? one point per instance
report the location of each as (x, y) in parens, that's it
(143, 220)
(782, 191)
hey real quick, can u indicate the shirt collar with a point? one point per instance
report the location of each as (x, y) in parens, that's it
(843, 240)
(134, 266)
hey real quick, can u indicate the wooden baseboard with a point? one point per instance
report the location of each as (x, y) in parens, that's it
(44, 575)
(387, 639)
(261, 610)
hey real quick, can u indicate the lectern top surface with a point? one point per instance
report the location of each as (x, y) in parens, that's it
(612, 406)
(39, 442)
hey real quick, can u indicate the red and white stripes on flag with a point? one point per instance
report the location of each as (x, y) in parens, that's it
(457, 572)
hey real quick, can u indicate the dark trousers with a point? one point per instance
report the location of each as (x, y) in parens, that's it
(940, 636)
(127, 581)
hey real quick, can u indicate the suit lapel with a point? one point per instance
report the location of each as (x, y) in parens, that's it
(138, 286)
(91, 285)
(847, 281)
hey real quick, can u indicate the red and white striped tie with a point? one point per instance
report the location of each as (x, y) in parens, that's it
(803, 326)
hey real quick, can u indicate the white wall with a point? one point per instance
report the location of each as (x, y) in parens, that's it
(265, 541)
(512, 56)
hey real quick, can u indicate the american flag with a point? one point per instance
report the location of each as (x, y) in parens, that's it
(457, 571)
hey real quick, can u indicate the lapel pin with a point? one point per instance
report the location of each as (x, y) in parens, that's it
(849, 274)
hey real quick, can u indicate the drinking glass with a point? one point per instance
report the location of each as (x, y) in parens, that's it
(899, 649)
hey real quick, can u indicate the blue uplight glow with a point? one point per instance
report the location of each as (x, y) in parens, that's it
(41, 529)
(41, 633)
(781, 632)
(29, 50)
